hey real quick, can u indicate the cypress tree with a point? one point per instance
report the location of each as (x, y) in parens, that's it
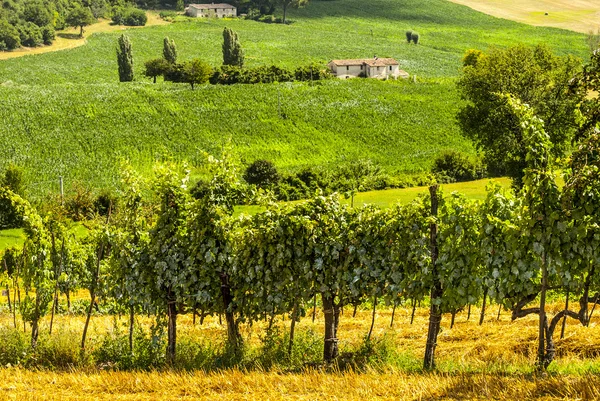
(170, 51)
(125, 59)
(232, 50)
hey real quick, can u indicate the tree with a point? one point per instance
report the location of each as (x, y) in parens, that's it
(169, 51)
(537, 78)
(125, 59)
(196, 72)
(232, 50)
(9, 36)
(79, 17)
(285, 4)
(261, 173)
(155, 67)
(180, 6)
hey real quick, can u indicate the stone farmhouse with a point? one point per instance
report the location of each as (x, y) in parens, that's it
(381, 68)
(219, 10)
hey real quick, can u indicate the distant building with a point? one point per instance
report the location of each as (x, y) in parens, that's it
(368, 68)
(219, 10)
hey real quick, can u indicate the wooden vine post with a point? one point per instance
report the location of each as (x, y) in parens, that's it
(435, 314)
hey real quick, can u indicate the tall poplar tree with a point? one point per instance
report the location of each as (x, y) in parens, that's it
(125, 59)
(232, 50)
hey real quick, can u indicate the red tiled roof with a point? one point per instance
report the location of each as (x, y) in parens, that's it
(373, 62)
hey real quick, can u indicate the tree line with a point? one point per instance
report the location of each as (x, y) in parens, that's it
(34, 23)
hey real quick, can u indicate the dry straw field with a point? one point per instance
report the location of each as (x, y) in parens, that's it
(576, 15)
(492, 361)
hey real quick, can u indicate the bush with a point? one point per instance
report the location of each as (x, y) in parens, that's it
(105, 202)
(48, 34)
(168, 15)
(135, 17)
(452, 166)
(129, 16)
(80, 205)
(261, 173)
(229, 75)
(409, 36)
(9, 36)
(30, 34)
(148, 349)
(415, 38)
(13, 179)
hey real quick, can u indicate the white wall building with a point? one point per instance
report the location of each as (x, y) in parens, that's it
(219, 10)
(381, 68)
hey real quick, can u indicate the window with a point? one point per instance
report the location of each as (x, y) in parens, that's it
(390, 68)
(347, 68)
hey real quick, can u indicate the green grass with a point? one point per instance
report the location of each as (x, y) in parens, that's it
(83, 131)
(11, 238)
(322, 31)
(65, 114)
(475, 190)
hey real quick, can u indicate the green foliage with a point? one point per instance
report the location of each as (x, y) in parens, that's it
(30, 34)
(9, 36)
(169, 51)
(80, 17)
(232, 50)
(180, 5)
(129, 16)
(155, 68)
(452, 166)
(13, 179)
(533, 75)
(471, 57)
(196, 72)
(125, 59)
(261, 173)
(414, 36)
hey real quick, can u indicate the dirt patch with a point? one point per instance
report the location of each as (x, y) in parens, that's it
(576, 15)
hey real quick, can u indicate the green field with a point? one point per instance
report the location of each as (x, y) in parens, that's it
(65, 114)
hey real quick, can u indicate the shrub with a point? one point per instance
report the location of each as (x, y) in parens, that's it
(135, 17)
(13, 179)
(452, 166)
(105, 202)
(471, 57)
(261, 173)
(168, 15)
(9, 36)
(409, 36)
(415, 38)
(48, 34)
(30, 34)
(129, 16)
(80, 205)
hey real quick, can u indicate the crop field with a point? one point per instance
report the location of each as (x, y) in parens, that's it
(64, 114)
(581, 15)
(491, 361)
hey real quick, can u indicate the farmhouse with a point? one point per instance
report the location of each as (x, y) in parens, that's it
(219, 10)
(368, 68)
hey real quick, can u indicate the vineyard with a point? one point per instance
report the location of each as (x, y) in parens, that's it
(66, 115)
(169, 255)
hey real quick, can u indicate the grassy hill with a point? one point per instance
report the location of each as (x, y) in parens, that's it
(64, 113)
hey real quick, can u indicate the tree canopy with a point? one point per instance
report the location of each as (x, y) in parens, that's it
(536, 77)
